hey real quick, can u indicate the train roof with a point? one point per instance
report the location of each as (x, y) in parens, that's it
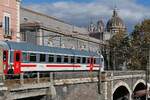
(37, 48)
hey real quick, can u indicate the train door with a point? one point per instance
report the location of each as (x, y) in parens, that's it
(1, 61)
(17, 62)
(91, 63)
(5, 61)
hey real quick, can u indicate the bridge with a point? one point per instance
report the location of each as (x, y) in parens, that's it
(112, 85)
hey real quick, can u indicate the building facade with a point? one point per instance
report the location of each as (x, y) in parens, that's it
(45, 30)
(9, 19)
(97, 31)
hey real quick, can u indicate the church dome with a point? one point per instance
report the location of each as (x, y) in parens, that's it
(115, 23)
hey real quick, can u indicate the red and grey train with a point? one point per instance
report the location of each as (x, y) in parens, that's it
(21, 57)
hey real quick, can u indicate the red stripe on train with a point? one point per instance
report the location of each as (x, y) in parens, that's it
(69, 66)
(95, 66)
(28, 65)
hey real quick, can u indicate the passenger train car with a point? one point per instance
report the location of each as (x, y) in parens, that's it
(20, 57)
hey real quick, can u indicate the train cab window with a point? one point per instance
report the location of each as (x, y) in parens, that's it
(17, 57)
(78, 59)
(42, 57)
(58, 59)
(51, 58)
(83, 60)
(72, 59)
(32, 57)
(4, 55)
(65, 59)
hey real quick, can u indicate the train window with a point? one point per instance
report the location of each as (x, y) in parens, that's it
(98, 60)
(102, 59)
(32, 57)
(89, 60)
(25, 57)
(42, 57)
(65, 59)
(51, 58)
(83, 60)
(4, 55)
(78, 60)
(17, 57)
(72, 59)
(94, 60)
(58, 58)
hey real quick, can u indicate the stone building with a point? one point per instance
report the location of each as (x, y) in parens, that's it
(114, 25)
(45, 30)
(9, 19)
(97, 30)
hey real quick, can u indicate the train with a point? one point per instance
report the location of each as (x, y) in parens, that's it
(22, 57)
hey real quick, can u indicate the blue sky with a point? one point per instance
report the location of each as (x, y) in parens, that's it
(51, 1)
(79, 12)
(144, 2)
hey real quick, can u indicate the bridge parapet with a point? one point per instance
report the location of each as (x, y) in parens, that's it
(115, 75)
(121, 73)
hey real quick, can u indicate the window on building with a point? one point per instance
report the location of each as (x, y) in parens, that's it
(42, 57)
(58, 58)
(65, 59)
(32, 57)
(84, 60)
(72, 59)
(23, 36)
(7, 25)
(78, 59)
(51, 58)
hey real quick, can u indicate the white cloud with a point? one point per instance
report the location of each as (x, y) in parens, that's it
(80, 13)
